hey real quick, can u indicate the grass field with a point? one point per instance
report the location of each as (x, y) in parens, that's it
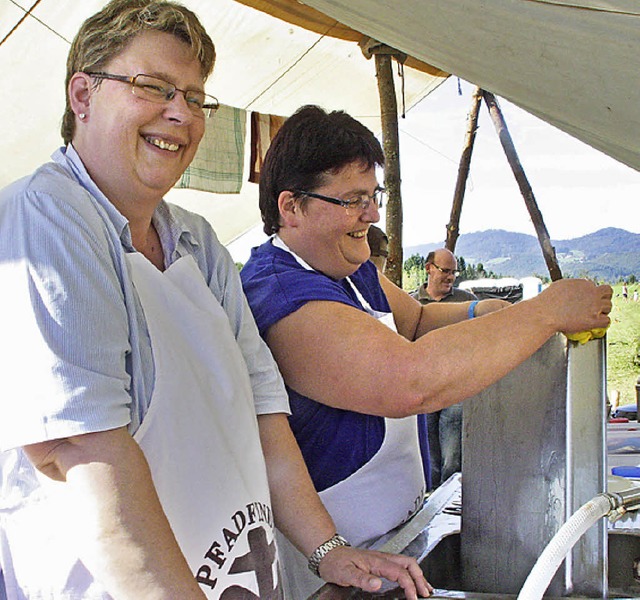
(623, 346)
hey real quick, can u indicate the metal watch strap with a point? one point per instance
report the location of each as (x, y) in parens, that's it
(322, 550)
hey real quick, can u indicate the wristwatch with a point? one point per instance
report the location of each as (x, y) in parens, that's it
(322, 550)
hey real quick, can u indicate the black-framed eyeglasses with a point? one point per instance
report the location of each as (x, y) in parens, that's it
(446, 271)
(361, 202)
(160, 91)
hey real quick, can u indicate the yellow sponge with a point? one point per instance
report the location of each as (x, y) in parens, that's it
(583, 337)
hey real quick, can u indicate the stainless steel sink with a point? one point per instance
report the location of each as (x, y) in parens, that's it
(534, 453)
(433, 537)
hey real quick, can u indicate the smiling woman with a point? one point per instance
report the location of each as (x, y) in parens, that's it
(363, 361)
(331, 237)
(156, 140)
(166, 417)
(100, 237)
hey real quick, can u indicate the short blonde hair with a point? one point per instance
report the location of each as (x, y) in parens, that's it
(107, 33)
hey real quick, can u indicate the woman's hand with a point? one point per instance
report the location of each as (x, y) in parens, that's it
(577, 305)
(348, 566)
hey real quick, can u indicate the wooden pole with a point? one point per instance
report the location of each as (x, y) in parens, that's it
(453, 227)
(548, 251)
(391, 147)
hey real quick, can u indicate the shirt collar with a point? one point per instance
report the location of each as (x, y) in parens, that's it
(68, 159)
(424, 295)
(171, 230)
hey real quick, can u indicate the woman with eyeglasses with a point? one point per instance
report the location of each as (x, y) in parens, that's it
(362, 360)
(132, 462)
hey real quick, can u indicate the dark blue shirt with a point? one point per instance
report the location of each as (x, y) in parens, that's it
(334, 442)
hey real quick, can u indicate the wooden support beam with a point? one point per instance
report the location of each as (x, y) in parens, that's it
(453, 227)
(391, 147)
(548, 251)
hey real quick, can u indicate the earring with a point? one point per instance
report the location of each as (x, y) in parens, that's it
(82, 116)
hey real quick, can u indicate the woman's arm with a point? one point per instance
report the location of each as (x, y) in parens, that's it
(343, 357)
(414, 319)
(114, 515)
(301, 516)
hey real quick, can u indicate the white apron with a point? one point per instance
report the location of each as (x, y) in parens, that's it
(200, 438)
(379, 496)
(390, 487)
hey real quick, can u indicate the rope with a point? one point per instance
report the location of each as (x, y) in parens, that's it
(28, 14)
(401, 75)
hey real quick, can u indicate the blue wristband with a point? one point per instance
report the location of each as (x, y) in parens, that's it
(472, 309)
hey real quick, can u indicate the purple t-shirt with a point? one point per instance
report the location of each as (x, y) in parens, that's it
(334, 442)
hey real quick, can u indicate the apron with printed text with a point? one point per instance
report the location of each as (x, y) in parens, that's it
(382, 494)
(200, 438)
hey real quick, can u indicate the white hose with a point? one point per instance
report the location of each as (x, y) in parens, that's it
(547, 564)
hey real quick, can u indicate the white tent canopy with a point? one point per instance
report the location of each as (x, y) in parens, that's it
(263, 64)
(572, 63)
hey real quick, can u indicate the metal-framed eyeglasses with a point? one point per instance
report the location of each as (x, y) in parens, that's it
(446, 271)
(360, 202)
(160, 91)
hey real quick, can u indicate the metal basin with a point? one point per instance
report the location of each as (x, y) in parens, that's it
(433, 538)
(442, 569)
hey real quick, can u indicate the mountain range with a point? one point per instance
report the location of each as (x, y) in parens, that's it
(608, 255)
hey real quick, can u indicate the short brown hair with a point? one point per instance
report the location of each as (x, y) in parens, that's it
(311, 144)
(106, 34)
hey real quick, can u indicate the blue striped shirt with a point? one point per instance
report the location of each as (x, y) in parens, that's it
(75, 355)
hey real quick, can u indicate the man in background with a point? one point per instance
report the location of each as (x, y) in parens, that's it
(444, 427)
(442, 269)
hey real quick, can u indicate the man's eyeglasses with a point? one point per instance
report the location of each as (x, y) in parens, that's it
(361, 202)
(446, 271)
(160, 91)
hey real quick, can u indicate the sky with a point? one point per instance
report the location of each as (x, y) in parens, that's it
(579, 190)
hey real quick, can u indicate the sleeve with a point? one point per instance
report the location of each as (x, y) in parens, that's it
(64, 323)
(269, 392)
(276, 287)
(270, 395)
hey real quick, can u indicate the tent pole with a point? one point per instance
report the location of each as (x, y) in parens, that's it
(391, 147)
(548, 251)
(453, 229)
